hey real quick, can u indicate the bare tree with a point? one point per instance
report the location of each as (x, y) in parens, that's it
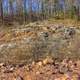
(1, 9)
(20, 10)
(30, 9)
(11, 9)
(25, 10)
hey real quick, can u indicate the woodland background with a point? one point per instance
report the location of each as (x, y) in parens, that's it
(33, 10)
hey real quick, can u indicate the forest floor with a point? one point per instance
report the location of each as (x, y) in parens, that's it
(47, 69)
(48, 50)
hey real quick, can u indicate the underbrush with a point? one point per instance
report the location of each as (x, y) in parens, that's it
(35, 44)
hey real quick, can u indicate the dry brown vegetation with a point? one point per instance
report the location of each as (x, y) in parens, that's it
(23, 49)
(46, 69)
(37, 40)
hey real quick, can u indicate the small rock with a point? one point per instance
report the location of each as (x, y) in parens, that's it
(63, 69)
(2, 64)
(39, 63)
(11, 69)
(46, 34)
(33, 63)
(8, 69)
(69, 32)
(20, 65)
(47, 61)
(37, 73)
(27, 68)
(19, 78)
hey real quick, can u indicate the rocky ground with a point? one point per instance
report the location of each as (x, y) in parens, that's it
(24, 48)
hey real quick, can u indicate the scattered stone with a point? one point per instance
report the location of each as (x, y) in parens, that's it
(21, 65)
(27, 68)
(33, 63)
(39, 64)
(2, 64)
(44, 34)
(8, 69)
(19, 78)
(47, 61)
(63, 69)
(69, 32)
(37, 73)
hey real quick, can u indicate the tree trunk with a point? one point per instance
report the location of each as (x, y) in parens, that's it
(11, 10)
(30, 9)
(25, 11)
(1, 9)
(20, 10)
